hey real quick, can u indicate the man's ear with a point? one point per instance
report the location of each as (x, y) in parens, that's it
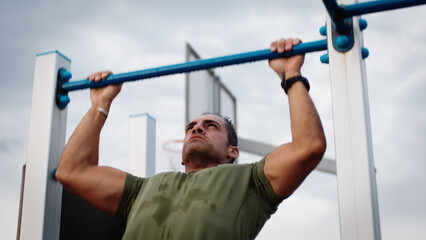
(233, 152)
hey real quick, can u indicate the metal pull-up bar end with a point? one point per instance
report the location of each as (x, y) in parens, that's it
(341, 16)
(339, 12)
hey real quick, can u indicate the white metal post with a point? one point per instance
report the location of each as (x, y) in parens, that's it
(41, 209)
(142, 145)
(358, 204)
(263, 149)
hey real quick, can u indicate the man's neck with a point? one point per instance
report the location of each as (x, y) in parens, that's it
(194, 167)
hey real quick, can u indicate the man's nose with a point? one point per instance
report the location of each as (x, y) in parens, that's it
(198, 129)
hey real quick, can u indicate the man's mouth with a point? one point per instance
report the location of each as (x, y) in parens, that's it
(195, 137)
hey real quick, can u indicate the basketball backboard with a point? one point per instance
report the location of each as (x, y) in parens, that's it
(206, 93)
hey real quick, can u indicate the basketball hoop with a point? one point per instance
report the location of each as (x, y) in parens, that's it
(173, 148)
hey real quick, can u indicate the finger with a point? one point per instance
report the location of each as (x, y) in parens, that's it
(280, 45)
(296, 41)
(94, 77)
(97, 77)
(274, 46)
(105, 74)
(289, 44)
(91, 77)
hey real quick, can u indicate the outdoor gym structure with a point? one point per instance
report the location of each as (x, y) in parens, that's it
(358, 205)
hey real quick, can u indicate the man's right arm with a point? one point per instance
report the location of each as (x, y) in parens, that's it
(78, 169)
(289, 164)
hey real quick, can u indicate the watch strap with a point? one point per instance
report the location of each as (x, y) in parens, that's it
(287, 83)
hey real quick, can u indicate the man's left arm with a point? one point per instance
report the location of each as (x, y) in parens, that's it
(288, 165)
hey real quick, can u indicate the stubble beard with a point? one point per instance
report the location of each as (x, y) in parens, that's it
(200, 155)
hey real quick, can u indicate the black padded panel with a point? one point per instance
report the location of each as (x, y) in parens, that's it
(80, 220)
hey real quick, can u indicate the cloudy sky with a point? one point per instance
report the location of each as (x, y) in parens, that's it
(131, 35)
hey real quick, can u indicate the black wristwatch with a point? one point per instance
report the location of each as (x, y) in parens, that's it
(286, 84)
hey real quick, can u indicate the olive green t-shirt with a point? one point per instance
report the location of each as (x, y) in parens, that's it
(225, 202)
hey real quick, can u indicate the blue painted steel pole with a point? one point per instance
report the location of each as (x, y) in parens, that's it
(195, 66)
(338, 13)
(378, 6)
(334, 10)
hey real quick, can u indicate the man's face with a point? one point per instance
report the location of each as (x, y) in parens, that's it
(206, 139)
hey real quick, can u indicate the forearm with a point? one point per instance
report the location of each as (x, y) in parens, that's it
(78, 169)
(82, 150)
(306, 127)
(79, 172)
(288, 165)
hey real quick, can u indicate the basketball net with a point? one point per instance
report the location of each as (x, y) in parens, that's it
(173, 149)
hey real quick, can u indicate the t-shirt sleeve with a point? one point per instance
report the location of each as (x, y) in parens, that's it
(131, 189)
(263, 186)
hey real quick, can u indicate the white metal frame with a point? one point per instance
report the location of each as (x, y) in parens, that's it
(42, 195)
(358, 204)
(142, 145)
(262, 149)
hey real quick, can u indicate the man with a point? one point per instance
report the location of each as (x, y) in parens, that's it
(212, 199)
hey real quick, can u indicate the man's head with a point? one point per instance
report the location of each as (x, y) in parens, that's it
(210, 140)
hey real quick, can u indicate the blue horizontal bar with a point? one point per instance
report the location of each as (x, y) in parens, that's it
(378, 6)
(338, 13)
(195, 66)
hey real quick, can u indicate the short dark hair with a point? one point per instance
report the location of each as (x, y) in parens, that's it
(232, 134)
